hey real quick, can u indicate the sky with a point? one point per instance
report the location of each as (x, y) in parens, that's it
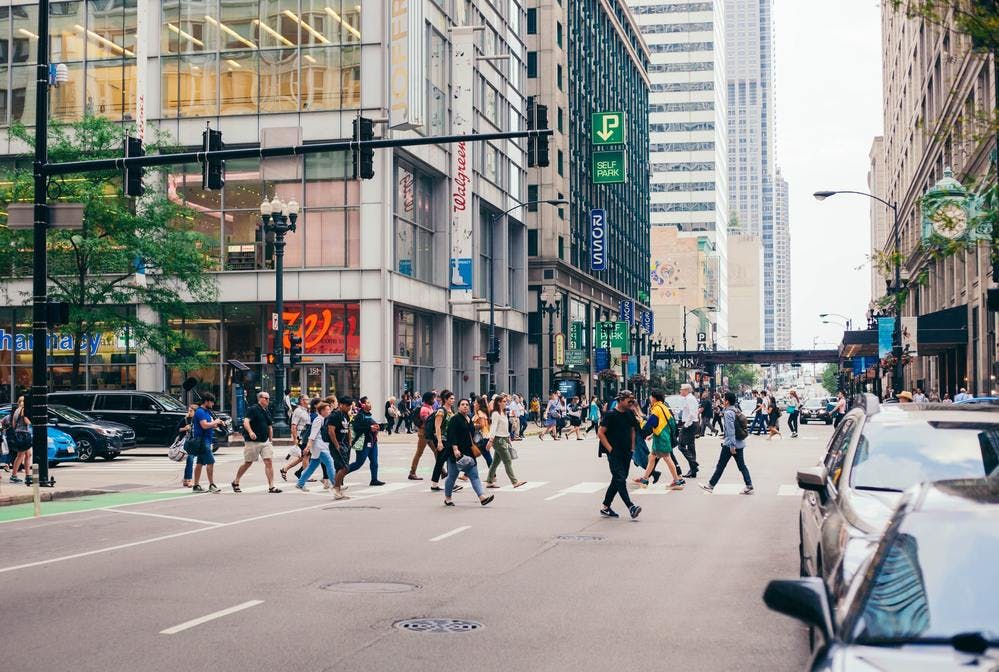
(828, 108)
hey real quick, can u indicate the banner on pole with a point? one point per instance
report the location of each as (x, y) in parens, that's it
(462, 80)
(909, 336)
(886, 332)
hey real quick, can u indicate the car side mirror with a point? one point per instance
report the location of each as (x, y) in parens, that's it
(812, 478)
(804, 599)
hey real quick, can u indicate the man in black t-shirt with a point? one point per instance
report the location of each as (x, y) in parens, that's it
(258, 432)
(706, 410)
(337, 429)
(617, 435)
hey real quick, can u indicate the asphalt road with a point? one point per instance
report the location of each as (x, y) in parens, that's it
(297, 582)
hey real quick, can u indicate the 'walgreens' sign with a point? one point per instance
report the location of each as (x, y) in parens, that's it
(459, 199)
(462, 79)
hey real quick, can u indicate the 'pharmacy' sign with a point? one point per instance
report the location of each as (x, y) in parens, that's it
(91, 343)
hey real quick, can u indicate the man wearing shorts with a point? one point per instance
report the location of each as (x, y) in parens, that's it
(203, 433)
(258, 431)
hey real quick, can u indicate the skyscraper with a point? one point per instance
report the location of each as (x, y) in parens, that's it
(689, 189)
(751, 159)
(781, 281)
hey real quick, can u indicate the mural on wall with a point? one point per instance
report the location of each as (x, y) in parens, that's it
(674, 268)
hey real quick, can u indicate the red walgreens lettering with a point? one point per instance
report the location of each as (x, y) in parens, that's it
(461, 179)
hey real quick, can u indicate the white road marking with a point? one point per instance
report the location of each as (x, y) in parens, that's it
(379, 489)
(788, 491)
(650, 491)
(728, 489)
(556, 496)
(210, 617)
(161, 515)
(530, 485)
(457, 530)
(584, 488)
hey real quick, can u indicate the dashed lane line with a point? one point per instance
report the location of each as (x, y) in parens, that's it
(163, 515)
(457, 530)
(210, 617)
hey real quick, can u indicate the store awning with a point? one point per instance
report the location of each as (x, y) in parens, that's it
(859, 343)
(936, 332)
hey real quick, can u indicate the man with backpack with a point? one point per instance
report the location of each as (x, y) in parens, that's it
(736, 430)
(420, 421)
(435, 429)
(364, 436)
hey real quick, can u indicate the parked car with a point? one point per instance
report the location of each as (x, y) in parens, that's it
(875, 454)
(61, 447)
(988, 401)
(154, 416)
(924, 600)
(815, 410)
(93, 437)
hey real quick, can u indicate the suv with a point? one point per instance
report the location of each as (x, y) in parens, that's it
(876, 453)
(93, 437)
(154, 416)
(815, 410)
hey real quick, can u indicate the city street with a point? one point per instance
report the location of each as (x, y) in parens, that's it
(154, 578)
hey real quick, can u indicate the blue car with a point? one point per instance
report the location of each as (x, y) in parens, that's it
(62, 447)
(981, 401)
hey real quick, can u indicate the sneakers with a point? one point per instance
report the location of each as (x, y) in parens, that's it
(706, 487)
(644, 482)
(303, 488)
(608, 513)
(15, 479)
(634, 511)
(197, 488)
(677, 484)
(748, 491)
(377, 483)
(213, 488)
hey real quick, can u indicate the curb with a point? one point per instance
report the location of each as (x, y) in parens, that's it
(11, 500)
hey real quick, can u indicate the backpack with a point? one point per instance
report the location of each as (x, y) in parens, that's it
(430, 430)
(741, 426)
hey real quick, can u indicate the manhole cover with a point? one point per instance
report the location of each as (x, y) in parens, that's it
(438, 625)
(580, 537)
(369, 587)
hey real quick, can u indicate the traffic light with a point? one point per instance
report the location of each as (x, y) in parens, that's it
(295, 350)
(212, 170)
(537, 147)
(364, 157)
(57, 313)
(133, 175)
(493, 354)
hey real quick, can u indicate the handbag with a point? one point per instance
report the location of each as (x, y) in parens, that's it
(513, 452)
(465, 462)
(176, 451)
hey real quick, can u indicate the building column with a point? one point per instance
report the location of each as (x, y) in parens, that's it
(150, 366)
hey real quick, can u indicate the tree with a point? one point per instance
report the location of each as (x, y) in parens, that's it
(830, 378)
(120, 257)
(741, 375)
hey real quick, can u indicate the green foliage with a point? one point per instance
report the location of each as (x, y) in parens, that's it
(741, 374)
(979, 19)
(93, 269)
(830, 378)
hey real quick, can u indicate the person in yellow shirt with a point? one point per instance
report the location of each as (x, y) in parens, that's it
(660, 425)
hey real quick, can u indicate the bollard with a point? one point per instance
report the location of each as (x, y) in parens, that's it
(36, 489)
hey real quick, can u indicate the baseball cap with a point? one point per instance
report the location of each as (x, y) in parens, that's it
(625, 394)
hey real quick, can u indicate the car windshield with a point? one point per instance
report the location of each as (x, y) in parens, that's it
(897, 456)
(938, 578)
(71, 414)
(167, 402)
(813, 403)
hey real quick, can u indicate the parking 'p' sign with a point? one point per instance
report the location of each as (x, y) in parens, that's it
(607, 128)
(598, 240)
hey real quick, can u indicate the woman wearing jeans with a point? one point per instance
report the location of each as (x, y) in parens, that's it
(184, 431)
(460, 458)
(793, 410)
(319, 450)
(500, 430)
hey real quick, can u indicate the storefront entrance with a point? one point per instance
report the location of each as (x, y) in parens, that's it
(321, 379)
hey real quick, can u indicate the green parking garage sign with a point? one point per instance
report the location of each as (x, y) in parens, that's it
(609, 167)
(607, 128)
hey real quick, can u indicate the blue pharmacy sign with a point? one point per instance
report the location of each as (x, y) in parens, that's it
(626, 311)
(598, 240)
(886, 333)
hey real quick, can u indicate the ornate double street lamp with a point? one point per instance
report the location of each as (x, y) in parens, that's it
(279, 218)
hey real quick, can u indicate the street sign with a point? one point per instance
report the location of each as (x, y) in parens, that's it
(576, 334)
(607, 128)
(602, 359)
(609, 167)
(598, 240)
(626, 311)
(559, 349)
(619, 337)
(702, 337)
(575, 357)
(274, 321)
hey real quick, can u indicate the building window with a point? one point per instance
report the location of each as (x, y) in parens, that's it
(532, 64)
(559, 120)
(532, 21)
(532, 197)
(532, 242)
(415, 222)
(558, 77)
(558, 33)
(559, 162)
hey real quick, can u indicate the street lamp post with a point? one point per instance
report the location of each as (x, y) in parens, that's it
(492, 355)
(279, 218)
(848, 321)
(550, 303)
(898, 378)
(691, 312)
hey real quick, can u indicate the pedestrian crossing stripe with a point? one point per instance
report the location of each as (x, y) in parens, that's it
(728, 489)
(788, 491)
(530, 485)
(651, 491)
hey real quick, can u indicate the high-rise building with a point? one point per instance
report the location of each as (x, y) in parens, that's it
(688, 155)
(745, 291)
(368, 274)
(749, 52)
(781, 280)
(939, 112)
(877, 184)
(565, 75)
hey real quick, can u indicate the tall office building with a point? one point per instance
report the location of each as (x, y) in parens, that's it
(781, 281)
(877, 183)
(689, 189)
(752, 183)
(368, 275)
(565, 75)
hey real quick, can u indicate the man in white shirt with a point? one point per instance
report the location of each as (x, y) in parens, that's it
(962, 395)
(686, 414)
(300, 420)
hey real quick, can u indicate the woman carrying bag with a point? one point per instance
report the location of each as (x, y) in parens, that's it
(460, 453)
(480, 431)
(793, 409)
(500, 430)
(183, 432)
(19, 441)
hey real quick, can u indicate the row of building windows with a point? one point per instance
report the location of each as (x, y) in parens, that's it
(699, 106)
(699, 66)
(680, 146)
(677, 47)
(684, 126)
(673, 9)
(678, 28)
(682, 186)
(683, 207)
(683, 86)
(683, 167)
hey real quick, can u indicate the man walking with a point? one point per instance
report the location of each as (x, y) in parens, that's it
(617, 440)
(318, 448)
(687, 412)
(366, 425)
(733, 445)
(759, 415)
(301, 423)
(203, 432)
(258, 431)
(336, 428)
(435, 430)
(420, 417)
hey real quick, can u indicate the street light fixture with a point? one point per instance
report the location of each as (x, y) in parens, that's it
(279, 218)
(492, 354)
(849, 322)
(551, 301)
(692, 311)
(898, 379)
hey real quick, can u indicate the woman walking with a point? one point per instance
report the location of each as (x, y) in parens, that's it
(839, 410)
(184, 431)
(575, 413)
(20, 432)
(551, 418)
(500, 430)
(480, 430)
(773, 419)
(716, 416)
(391, 415)
(593, 415)
(661, 425)
(460, 455)
(793, 409)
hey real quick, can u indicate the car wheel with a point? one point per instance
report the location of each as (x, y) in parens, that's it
(85, 450)
(110, 456)
(829, 421)
(804, 421)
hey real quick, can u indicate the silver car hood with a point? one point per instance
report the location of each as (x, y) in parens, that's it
(911, 658)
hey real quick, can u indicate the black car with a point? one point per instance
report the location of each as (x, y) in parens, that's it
(93, 437)
(925, 600)
(815, 410)
(154, 416)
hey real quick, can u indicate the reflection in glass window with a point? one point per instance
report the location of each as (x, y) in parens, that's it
(414, 222)
(22, 94)
(66, 32)
(110, 29)
(238, 82)
(278, 80)
(66, 100)
(331, 78)
(278, 25)
(189, 25)
(23, 36)
(238, 24)
(190, 85)
(3, 95)
(111, 89)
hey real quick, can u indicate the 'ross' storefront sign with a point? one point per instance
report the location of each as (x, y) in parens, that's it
(598, 240)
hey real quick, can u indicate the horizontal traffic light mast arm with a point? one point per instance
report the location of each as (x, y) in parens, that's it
(96, 165)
